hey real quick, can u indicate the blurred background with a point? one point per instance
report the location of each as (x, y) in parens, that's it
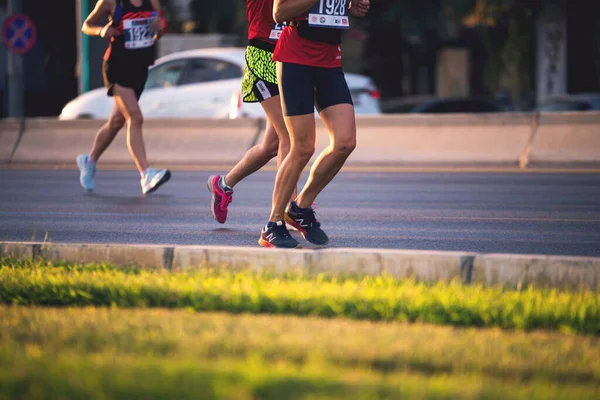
(422, 55)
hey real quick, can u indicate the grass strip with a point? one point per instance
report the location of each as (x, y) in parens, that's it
(105, 353)
(371, 298)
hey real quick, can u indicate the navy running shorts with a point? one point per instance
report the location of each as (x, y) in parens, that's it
(303, 88)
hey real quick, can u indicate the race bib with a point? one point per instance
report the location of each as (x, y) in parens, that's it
(276, 31)
(137, 33)
(329, 14)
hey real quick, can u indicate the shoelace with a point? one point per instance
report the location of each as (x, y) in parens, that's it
(311, 218)
(226, 200)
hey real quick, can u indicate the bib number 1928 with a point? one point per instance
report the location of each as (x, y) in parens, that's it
(329, 14)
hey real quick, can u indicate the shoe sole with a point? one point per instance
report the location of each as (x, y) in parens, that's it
(264, 243)
(163, 180)
(81, 168)
(302, 231)
(212, 201)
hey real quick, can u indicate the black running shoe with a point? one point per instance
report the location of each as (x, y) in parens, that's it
(305, 220)
(277, 235)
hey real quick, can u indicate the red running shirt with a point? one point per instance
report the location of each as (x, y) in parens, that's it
(291, 48)
(259, 14)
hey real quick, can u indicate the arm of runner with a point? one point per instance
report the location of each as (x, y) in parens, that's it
(359, 8)
(102, 9)
(157, 24)
(286, 10)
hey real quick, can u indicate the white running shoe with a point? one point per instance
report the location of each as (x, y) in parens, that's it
(154, 179)
(87, 176)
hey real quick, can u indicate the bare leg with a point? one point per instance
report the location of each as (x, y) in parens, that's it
(276, 141)
(340, 122)
(302, 135)
(128, 104)
(107, 133)
(275, 136)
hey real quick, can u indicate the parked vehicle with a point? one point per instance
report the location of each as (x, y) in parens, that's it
(465, 105)
(427, 104)
(570, 102)
(203, 83)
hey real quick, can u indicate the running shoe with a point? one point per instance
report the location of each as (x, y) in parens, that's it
(277, 235)
(220, 200)
(305, 220)
(154, 179)
(293, 228)
(87, 172)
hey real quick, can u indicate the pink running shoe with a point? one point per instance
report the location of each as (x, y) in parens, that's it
(220, 199)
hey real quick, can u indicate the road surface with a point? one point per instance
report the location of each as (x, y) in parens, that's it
(531, 213)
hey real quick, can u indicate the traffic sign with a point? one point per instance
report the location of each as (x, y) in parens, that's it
(19, 33)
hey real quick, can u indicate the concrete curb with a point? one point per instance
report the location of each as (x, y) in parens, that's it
(430, 266)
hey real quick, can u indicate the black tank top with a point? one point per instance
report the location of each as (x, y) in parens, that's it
(134, 43)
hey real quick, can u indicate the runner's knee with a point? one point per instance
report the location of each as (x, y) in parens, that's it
(116, 122)
(270, 149)
(303, 151)
(345, 146)
(135, 118)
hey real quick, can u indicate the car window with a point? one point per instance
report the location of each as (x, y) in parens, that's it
(202, 70)
(165, 75)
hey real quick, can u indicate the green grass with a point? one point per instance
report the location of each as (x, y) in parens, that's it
(108, 353)
(372, 298)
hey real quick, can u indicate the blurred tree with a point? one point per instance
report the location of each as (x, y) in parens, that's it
(214, 16)
(506, 28)
(173, 24)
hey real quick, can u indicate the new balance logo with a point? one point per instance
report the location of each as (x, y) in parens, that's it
(270, 237)
(301, 223)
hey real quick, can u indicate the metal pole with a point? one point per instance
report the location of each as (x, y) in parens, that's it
(83, 47)
(15, 73)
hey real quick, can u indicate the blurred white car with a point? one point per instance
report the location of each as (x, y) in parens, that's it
(203, 83)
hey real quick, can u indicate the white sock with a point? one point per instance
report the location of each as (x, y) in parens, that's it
(223, 185)
(144, 173)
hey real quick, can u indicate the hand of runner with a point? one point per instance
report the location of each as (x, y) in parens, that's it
(156, 25)
(108, 31)
(359, 8)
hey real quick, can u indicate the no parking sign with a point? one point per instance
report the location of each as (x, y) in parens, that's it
(19, 33)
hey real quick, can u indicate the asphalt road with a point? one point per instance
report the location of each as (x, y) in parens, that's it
(481, 212)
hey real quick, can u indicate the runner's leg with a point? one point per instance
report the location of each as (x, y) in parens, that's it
(107, 133)
(340, 123)
(127, 102)
(259, 155)
(302, 135)
(295, 86)
(334, 103)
